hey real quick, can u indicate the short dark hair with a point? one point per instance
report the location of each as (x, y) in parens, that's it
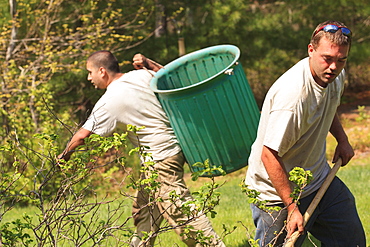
(104, 59)
(337, 38)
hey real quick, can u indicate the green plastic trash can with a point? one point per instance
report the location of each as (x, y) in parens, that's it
(210, 106)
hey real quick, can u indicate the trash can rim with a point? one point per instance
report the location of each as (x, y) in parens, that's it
(174, 64)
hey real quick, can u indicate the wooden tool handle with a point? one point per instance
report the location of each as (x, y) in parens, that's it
(293, 238)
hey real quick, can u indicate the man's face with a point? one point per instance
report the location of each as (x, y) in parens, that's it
(327, 61)
(95, 76)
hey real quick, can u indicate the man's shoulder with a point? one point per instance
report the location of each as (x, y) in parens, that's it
(285, 93)
(300, 67)
(137, 74)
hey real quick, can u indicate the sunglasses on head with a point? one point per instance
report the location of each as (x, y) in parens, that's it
(332, 28)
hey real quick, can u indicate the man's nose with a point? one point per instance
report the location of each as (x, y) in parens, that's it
(333, 66)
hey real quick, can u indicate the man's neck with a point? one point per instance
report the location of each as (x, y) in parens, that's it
(114, 77)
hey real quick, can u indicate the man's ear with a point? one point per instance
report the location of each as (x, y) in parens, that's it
(102, 71)
(310, 49)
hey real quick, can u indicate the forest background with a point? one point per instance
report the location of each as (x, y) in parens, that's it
(44, 45)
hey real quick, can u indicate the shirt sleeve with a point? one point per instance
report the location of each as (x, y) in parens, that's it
(100, 121)
(282, 131)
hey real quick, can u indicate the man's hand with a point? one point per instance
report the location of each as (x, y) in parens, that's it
(76, 141)
(294, 220)
(64, 156)
(141, 62)
(345, 151)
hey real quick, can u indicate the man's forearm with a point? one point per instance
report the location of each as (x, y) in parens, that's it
(277, 174)
(153, 65)
(76, 141)
(337, 130)
(344, 149)
(279, 178)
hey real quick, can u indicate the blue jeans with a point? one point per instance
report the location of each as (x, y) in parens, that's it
(335, 221)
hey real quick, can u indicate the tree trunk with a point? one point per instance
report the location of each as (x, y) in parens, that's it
(11, 45)
(160, 20)
(13, 11)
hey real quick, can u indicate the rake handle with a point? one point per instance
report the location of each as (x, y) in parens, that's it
(293, 238)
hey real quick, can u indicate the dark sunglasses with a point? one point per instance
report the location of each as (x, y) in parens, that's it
(331, 28)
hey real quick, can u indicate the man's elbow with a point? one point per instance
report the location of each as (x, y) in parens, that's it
(82, 134)
(79, 137)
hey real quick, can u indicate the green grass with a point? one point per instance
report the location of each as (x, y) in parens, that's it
(356, 175)
(234, 209)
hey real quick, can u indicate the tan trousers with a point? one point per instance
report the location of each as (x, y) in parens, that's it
(147, 217)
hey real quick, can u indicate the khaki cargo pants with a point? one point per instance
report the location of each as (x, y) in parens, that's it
(148, 217)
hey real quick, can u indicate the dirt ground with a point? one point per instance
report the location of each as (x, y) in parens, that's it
(351, 101)
(357, 130)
